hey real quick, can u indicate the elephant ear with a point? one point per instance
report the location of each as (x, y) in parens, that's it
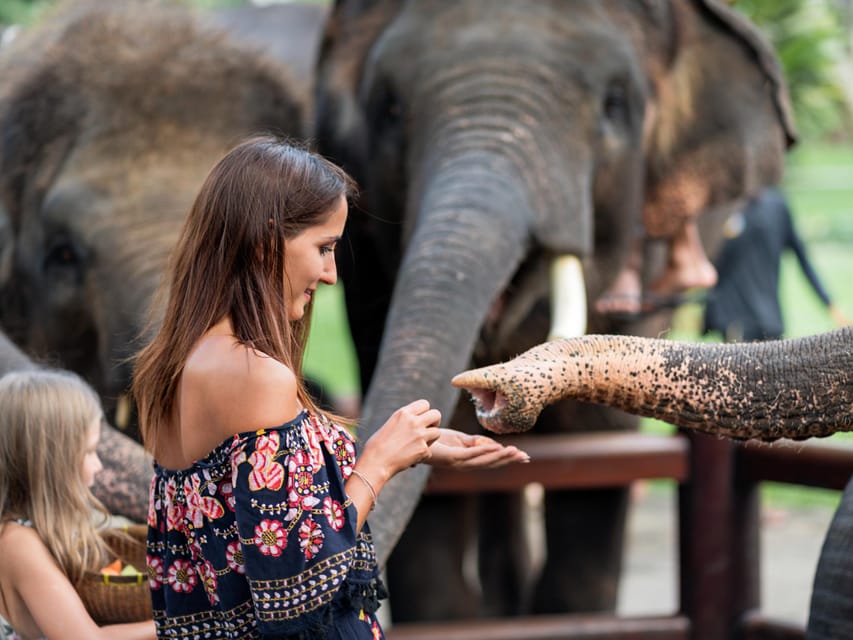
(40, 118)
(351, 30)
(723, 117)
(765, 56)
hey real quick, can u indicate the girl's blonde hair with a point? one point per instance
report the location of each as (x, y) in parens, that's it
(45, 417)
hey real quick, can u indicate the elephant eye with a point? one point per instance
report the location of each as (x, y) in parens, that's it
(615, 104)
(385, 107)
(61, 255)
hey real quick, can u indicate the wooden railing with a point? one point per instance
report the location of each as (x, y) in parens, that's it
(717, 521)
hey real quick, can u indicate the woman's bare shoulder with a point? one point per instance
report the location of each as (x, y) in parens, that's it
(237, 388)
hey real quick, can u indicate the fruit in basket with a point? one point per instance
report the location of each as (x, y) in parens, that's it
(129, 570)
(112, 569)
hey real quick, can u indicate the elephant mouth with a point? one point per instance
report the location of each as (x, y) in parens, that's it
(498, 411)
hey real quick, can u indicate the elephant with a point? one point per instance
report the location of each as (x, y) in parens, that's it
(111, 114)
(492, 141)
(289, 33)
(798, 388)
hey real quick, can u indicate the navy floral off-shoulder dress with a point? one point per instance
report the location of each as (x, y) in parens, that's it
(258, 540)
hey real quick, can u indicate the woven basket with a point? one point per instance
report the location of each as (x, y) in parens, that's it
(117, 599)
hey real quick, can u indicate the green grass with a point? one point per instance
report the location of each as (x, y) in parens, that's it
(330, 356)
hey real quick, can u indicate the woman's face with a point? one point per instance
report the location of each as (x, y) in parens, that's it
(310, 259)
(91, 462)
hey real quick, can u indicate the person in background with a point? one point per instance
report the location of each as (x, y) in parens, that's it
(257, 524)
(50, 422)
(744, 304)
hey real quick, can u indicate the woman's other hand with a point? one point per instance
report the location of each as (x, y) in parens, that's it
(458, 450)
(404, 440)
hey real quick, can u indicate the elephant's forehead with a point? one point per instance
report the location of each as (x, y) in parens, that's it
(105, 179)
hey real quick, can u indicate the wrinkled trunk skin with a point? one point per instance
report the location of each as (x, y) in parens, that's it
(795, 389)
(122, 485)
(437, 310)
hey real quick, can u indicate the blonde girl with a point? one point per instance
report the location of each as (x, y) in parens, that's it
(50, 424)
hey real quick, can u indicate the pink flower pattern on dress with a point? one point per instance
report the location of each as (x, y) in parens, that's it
(154, 503)
(154, 566)
(311, 538)
(226, 489)
(182, 576)
(267, 474)
(208, 579)
(300, 481)
(199, 506)
(234, 557)
(175, 510)
(344, 451)
(270, 537)
(334, 513)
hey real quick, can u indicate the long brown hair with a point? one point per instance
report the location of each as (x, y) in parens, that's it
(45, 417)
(229, 261)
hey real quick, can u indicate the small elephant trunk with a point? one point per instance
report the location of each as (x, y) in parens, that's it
(785, 389)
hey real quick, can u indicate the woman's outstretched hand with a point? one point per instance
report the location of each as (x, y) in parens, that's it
(459, 450)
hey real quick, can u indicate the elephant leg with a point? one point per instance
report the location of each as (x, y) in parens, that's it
(504, 560)
(425, 571)
(584, 537)
(584, 529)
(831, 608)
(122, 485)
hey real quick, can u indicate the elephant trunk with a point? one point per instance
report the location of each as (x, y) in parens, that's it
(470, 237)
(783, 389)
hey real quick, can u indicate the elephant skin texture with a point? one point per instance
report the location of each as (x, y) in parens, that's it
(111, 116)
(798, 388)
(490, 138)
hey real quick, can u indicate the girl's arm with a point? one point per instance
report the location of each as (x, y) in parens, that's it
(51, 599)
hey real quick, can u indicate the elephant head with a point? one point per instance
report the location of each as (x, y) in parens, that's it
(493, 138)
(111, 116)
(797, 388)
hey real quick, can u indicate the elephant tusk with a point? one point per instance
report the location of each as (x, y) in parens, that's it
(122, 414)
(568, 298)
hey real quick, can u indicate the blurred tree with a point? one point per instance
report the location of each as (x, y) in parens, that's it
(26, 11)
(21, 11)
(811, 38)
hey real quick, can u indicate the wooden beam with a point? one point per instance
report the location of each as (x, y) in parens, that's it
(803, 463)
(552, 627)
(577, 460)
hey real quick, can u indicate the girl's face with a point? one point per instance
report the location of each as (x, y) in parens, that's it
(310, 259)
(91, 462)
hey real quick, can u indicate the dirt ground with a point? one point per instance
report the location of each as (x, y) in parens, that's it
(790, 545)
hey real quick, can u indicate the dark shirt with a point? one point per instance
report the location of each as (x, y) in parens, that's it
(745, 301)
(258, 540)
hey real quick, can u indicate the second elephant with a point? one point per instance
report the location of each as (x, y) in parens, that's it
(491, 138)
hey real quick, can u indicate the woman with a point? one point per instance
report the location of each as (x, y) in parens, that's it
(50, 423)
(258, 506)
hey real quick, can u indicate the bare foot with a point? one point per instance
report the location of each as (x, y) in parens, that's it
(624, 295)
